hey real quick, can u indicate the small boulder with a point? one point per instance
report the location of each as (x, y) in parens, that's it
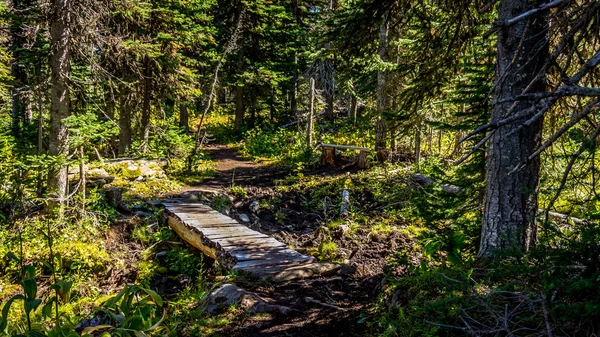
(347, 270)
(254, 206)
(322, 269)
(244, 218)
(142, 214)
(340, 231)
(229, 294)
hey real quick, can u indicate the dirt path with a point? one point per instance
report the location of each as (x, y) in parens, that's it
(233, 169)
(330, 306)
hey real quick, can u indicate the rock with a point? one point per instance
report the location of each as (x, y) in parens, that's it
(185, 279)
(340, 231)
(142, 214)
(99, 174)
(324, 269)
(100, 318)
(347, 270)
(229, 294)
(244, 218)
(344, 253)
(136, 169)
(254, 206)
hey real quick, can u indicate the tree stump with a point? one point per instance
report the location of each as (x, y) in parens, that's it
(328, 156)
(114, 197)
(363, 160)
(383, 154)
(380, 140)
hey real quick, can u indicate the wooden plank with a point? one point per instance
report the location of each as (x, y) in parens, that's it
(250, 242)
(347, 147)
(245, 254)
(231, 245)
(236, 236)
(282, 261)
(286, 254)
(235, 245)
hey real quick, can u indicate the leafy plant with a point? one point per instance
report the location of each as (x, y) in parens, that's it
(133, 312)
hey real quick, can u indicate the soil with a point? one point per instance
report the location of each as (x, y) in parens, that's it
(232, 169)
(324, 307)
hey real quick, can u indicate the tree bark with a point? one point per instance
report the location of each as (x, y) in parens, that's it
(109, 99)
(311, 112)
(381, 76)
(21, 97)
(354, 109)
(511, 200)
(329, 109)
(294, 91)
(60, 99)
(380, 140)
(146, 104)
(418, 143)
(184, 117)
(239, 110)
(124, 119)
(40, 141)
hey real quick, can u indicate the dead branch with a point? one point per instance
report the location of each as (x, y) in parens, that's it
(563, 182)
(502, 24)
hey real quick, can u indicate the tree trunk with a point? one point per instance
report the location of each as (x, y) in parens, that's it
(21, 99)
(294, 91)
(381, 76)
(311, 111)
(110, 105)
(124, 119)
(239, 110)
(146, 104)
(40, 142)
(354, 109)
(60, 99)
(380, 133)
(330, 108)
(16, 112)
(380, 140)
(418, 143)
(184, 117)
(511, 200)
(429, 140)
(109, 99)
(82, 177)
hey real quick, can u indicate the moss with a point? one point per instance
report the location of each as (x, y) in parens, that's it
(82, 258)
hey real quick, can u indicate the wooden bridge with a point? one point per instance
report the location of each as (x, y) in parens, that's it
(236, 246)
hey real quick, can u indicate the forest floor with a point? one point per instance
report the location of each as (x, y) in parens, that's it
(335, 306)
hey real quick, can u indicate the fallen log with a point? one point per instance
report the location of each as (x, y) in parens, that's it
(563, 217)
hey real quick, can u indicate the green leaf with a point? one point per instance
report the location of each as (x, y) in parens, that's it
(112, 302)
(34, 333)
(30, 287)
(92, 329)
(64, 290)
(12, 256)
(135, 323)
(47, 308)
(32, 305)
(29, 272)
(6, 309)
(155, 297)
